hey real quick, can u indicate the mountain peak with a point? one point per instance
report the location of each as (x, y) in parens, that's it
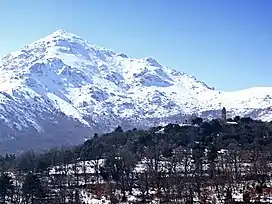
(64, 38)
(61, 34)
(61, 31)
(62, 79)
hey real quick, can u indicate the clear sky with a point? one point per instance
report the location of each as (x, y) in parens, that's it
(225, 43)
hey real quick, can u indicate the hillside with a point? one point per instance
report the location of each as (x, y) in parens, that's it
(62, 89)
(209, 162)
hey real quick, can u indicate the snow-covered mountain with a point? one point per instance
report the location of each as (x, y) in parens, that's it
(61, 89)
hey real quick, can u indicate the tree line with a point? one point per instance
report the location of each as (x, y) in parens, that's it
(205, 162)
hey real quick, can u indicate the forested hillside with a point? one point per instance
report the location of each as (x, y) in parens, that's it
(213, 161)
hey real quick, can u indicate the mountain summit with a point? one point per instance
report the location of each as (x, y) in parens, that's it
(61, 89)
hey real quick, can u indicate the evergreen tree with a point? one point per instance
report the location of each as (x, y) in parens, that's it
(6, 188)
(32, 189)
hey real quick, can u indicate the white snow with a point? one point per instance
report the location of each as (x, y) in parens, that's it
(80, 79)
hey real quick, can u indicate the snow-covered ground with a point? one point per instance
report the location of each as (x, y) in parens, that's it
(166, 166)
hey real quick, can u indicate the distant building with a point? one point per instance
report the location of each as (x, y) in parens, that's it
(224, 114)
(231, 123)
(224, 117)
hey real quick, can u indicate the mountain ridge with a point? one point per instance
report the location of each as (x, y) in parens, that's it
(63, 77)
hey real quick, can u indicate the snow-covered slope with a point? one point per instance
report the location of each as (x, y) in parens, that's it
(61, 89)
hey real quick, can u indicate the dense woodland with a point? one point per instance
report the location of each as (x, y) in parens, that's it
(201, 162)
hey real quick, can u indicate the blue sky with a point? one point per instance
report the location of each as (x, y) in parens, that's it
(225, 43)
